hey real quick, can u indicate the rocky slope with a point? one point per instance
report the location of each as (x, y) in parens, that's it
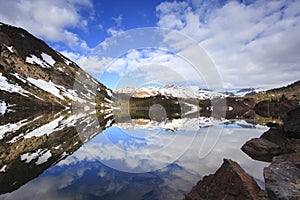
(33, 74)
(291, 91)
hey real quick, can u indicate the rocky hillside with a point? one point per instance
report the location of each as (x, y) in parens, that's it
(291, 92)
(32, 75)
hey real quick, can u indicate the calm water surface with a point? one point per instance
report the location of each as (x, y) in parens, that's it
(77, 156)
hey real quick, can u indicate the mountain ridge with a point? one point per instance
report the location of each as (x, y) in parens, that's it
(292, 91)
(32, 74)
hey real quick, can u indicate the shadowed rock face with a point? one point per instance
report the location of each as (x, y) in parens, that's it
(282, 180)
(277, 136)
(277, 140)
(292, 124)
(229, 182)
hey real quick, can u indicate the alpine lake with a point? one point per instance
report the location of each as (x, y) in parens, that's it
(138, 150)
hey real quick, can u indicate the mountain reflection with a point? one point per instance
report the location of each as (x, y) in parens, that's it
(31, 144)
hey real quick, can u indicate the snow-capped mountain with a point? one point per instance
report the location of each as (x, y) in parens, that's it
(245, 92)
(33, 74)
(183, 124)
(170, 91)
(184, 92)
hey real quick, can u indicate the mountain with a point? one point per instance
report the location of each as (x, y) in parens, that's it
(244, 92)
(170, 91)
(33, 75)
(291, 91)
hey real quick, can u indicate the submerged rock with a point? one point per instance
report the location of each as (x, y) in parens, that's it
(261, 149)
(229, 182)
(282, 180)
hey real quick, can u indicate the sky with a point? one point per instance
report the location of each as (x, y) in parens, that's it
(250, 43)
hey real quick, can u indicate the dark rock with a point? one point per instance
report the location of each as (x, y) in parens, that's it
(292, 123)
(269, 108)
(261, 149)
(277, 136)
(229, 182)
(263, 195)
(282, 180)
(293, 145)
(292, 157)
(272, 125)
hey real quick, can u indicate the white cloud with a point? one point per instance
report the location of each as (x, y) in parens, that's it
(252, 45)
(90, 63)
(116, 29)
(156, 66)
(118, 20)
(48, 20)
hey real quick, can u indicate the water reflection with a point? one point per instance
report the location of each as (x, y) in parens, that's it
(63, 155)
(30, 146)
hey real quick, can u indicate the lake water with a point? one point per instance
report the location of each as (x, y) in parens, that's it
(77, 156)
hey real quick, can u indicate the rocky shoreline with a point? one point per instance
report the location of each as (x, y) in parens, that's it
(280, 146)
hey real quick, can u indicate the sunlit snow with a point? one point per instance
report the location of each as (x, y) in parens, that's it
(45, 129)
(6, 86)
(48, 59)
(47, 86)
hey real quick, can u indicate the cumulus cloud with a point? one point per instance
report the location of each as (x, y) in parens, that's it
(154, 66)
(50, 20)
(90, 63)
(116, 29)
(253, 44)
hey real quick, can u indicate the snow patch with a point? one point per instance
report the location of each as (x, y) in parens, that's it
(3, 168)
(108, 123)
(45, 129)
(18, 76)
(108, 100)
(48, 59)
(11, 127)
(44, 158)
(3, 107)
(109, 93)
(171, 91)
(40, 154)
(6, 86)
(9, 48)
(71, 94)
(47, 86)
(35, 60)
(28, 157)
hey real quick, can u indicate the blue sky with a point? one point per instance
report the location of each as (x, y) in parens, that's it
(251, 43)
